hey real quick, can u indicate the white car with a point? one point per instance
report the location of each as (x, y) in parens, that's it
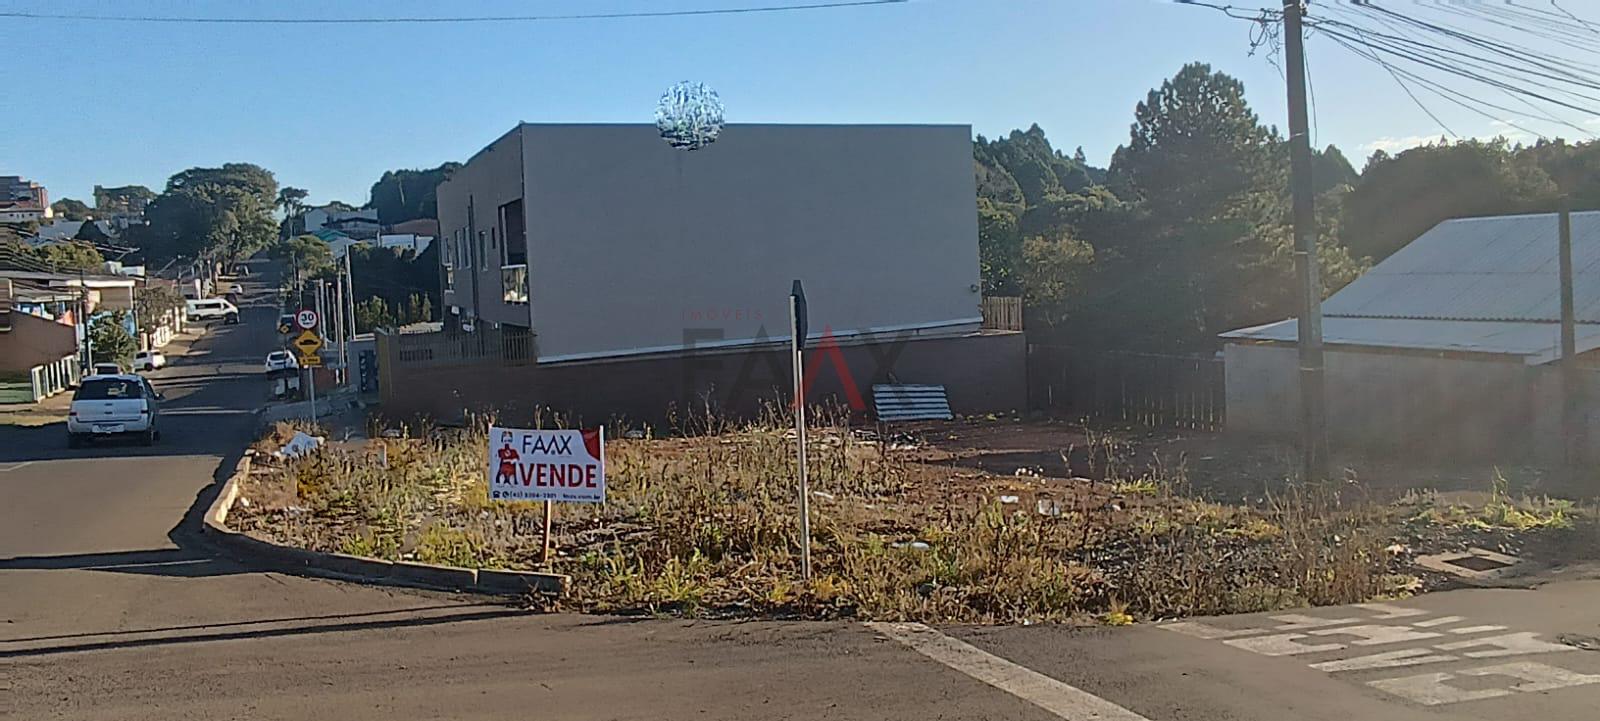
(279, 360)
(113, 405)
(106, 369)
(149, 360)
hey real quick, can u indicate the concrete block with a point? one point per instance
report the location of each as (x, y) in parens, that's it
(428, 574)
(493, 581)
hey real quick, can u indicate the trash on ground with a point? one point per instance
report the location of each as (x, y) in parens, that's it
(300, 444)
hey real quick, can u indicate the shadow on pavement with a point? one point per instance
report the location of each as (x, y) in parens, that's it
(253, 622)
(301, 630)
(158, 562)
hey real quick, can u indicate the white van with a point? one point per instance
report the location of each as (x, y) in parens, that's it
(212, 309)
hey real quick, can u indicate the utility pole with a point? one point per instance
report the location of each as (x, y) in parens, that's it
(338, 319)
(350, 320)
(1313, 413)
(1571, 389)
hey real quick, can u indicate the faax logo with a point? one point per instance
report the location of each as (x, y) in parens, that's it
(547, 465)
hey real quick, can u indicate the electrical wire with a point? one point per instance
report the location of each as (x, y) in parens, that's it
(26, 15)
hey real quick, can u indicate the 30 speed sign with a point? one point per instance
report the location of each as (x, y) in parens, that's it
(306, 319)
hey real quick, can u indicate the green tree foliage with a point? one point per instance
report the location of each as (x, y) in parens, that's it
(374, 313)
(398, 276)
(402, 195)
(1186, 235)
(306, 254)
(121, 198)
(71, 256)
(69, 209)
(225, 213)
(1402, 196)
(1195, 144)
(291, 201)
(1054, 270)
(110, 341)
(153, 303)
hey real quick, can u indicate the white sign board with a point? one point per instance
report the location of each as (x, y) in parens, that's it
(547, 465)
(306, 319)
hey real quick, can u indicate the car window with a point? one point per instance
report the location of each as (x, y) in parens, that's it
(108, 389)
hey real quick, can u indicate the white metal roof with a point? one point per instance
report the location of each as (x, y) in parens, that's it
(1497, 268)
(1536, 343)
(1484, 285)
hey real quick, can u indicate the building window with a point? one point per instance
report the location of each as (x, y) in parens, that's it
(514, 241)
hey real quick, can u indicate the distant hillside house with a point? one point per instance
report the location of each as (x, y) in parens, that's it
(354, 223)
(1448, 346)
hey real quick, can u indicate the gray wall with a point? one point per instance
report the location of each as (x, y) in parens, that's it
(490, 179)
(636, 246)
(1417, 405)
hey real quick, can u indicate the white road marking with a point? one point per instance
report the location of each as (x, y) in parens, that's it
(1477, 629)
(1441, 621)
(1376, 634)
(1300, 621)
(1036, 688)
(1390, 612)
(1535, 676)
(1390, 659)
(1430, 689)
(1282, 644)
(1511, 644)
(15, 466)
(1207, 631)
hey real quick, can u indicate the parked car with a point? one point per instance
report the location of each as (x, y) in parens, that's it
(149, 360)
(280, 360)
(235, 289)
(106, 369)
(211, 309)
(114, 405)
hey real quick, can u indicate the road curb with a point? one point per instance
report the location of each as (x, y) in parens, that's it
(494, 582)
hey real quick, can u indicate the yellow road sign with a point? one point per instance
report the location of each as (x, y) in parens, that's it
(308, 344)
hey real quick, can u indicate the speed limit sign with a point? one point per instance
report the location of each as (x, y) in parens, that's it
(306, 319)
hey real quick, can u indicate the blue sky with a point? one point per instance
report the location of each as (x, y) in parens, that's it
(329, 108)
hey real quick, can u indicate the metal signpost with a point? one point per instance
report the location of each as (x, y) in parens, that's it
(531, 465)
(308, 343)
(797, 343)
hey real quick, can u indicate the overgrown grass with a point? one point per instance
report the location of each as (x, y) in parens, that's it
(706, 524)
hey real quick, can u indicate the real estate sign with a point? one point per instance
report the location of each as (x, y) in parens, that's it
(547, 465)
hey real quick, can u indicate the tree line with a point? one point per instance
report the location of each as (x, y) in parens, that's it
(1187, 233)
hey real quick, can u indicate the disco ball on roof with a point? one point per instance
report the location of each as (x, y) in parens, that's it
(689, 116)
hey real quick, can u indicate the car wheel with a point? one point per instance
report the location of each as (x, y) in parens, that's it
(148, 438)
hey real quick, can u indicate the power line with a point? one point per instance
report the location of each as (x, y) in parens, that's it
(456, 19)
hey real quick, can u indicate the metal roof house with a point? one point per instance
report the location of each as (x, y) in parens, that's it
(1447, 344)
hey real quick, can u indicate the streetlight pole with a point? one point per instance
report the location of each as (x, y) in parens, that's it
(1313, 414)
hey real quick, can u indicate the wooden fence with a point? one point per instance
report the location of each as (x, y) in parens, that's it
(1156, 390)
(1002, 313)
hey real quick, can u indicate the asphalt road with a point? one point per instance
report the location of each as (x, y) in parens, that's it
(113, 607)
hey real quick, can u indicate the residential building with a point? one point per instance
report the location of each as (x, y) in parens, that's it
(405, 241)
(1448, 346)
(417, 226)
(15, 189)
(22, 212)
(359, 224)
(597, 244)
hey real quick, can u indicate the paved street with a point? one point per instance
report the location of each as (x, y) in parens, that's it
(111, 607)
